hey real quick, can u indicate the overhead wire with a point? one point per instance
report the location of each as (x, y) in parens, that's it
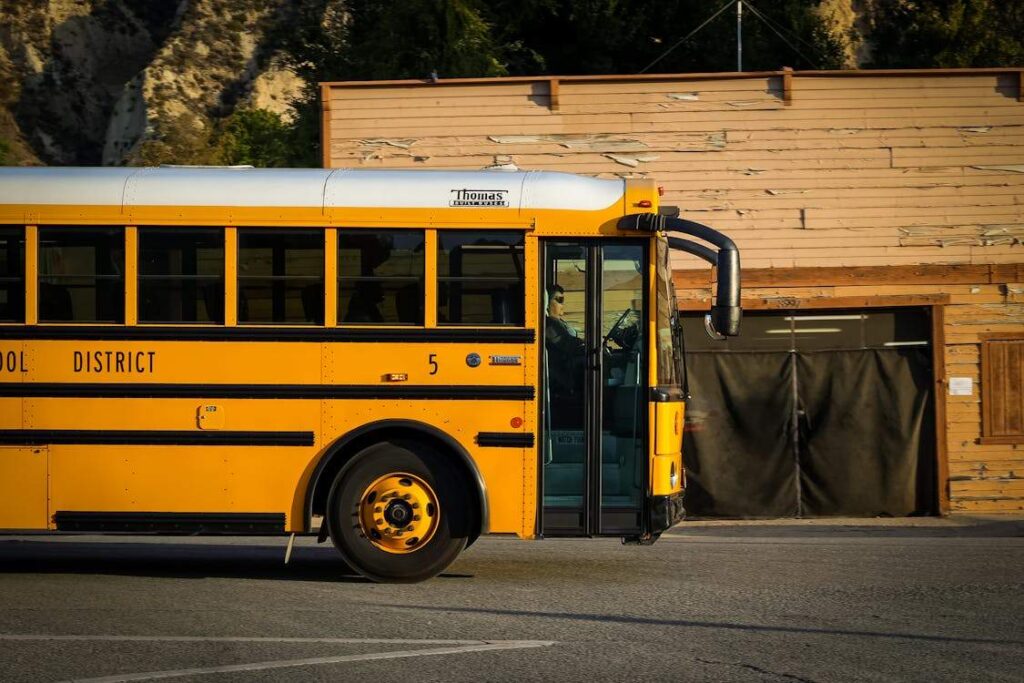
(689, 35)
(778, 31)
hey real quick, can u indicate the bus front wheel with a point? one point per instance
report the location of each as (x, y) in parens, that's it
(398, 513)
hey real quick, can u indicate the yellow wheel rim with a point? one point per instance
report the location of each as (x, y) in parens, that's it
(399, 513)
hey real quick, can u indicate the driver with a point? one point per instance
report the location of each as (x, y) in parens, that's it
(558, 334)
(563, 344)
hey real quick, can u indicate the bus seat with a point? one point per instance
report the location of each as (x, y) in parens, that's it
(313, 303)
(409, 303)
(55, 302)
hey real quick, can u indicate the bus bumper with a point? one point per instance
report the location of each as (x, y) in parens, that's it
(666, 511)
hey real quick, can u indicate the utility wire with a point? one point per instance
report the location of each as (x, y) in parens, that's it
(689, 35)
(777, 32)
(785, 30)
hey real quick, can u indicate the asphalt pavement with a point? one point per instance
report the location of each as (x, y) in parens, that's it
(838, 600)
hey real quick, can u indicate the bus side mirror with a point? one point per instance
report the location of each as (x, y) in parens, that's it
(709, 328)
(723, 321)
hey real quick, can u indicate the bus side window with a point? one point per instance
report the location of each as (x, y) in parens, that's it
(276, 271)
(380, 276)
(480, 279)
(81, 274)
(12, 274)
(181, 275)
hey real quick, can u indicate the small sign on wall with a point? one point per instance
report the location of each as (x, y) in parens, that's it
(961, 386)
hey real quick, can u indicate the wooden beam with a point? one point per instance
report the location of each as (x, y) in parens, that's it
(1020, 85)
(325, 126)
(938, 315)
(785, 303)
(553, 93)
(787, 85)
(704, 76)
(1002, 273)
(859, 275)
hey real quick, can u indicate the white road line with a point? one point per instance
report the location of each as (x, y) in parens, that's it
(454, 647)
(316, 661)
(243, 639)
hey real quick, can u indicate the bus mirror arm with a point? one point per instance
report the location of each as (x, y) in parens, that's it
(724, 319)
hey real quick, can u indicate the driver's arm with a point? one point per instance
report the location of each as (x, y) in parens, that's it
(558, 338)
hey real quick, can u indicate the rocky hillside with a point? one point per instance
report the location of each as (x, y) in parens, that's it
(89, 81)
(92, 82)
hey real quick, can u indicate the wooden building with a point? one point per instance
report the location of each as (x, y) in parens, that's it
(871, 196)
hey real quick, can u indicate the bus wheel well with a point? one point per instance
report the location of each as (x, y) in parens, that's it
(347, 447)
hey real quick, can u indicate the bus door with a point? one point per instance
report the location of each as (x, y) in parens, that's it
(594, 387)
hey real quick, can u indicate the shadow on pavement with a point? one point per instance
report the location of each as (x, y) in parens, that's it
(882, 528)
(751, 628)
(170, 560)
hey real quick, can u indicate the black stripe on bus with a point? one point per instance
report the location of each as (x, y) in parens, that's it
(172, 522)
(42, 437)
(266, 391)
(505, 439)
(270, 334)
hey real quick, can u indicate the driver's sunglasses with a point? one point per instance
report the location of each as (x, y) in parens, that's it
(559, 299)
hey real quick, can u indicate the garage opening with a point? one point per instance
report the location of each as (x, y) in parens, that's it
(812, 413)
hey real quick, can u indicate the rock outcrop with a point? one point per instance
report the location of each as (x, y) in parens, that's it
(87, 81)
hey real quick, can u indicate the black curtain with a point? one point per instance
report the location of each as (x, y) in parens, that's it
(737, 448)
(818, 433)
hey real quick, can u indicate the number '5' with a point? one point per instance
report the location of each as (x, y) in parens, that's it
(433, 363)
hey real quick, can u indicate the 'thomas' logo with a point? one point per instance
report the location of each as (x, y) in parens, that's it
(490, 198)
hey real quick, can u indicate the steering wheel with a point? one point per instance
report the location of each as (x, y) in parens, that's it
(613, 333)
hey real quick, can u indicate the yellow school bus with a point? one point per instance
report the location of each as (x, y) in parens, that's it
(397, 360)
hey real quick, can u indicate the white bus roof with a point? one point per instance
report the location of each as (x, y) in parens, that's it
(304, 188)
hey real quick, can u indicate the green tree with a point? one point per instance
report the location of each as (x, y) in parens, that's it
(255, 137)
(5, 150)
(625, 36)
(332, 40)
(380, 39)
(947, 33)
(183, 139)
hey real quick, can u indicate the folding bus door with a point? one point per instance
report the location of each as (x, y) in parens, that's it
(594, 387)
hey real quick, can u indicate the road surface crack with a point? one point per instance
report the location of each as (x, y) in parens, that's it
(756, 669)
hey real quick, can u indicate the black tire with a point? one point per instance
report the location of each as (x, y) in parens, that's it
(453, 527)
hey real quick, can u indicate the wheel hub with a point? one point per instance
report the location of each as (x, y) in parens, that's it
(399, 513)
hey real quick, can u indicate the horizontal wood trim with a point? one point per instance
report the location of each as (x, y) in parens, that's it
(786, 303)
(1001, 336)
(861, 275)
(992, 440)
(725, 75)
